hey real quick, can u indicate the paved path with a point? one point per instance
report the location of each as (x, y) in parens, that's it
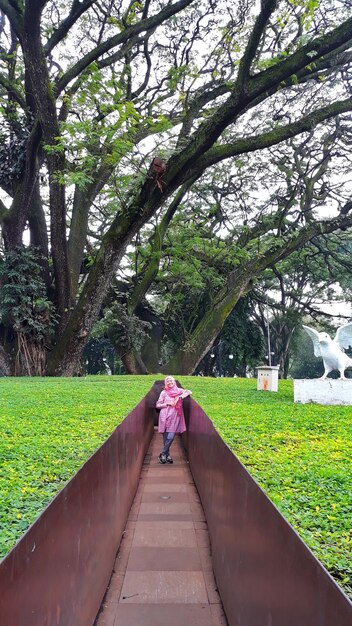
(163, 574)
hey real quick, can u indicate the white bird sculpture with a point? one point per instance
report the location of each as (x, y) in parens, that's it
(331, 350)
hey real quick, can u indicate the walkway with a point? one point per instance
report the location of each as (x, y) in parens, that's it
(163, 574)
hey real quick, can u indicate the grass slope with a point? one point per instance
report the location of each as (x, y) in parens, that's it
(300, 454)
(48, 428)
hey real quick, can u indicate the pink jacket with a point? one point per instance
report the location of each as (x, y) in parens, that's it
(170, 420)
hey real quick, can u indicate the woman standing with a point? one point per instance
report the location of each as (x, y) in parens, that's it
(171, 417)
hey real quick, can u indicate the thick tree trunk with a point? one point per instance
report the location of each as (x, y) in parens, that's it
(15, 220)
(82, 202)
(133, 363)
(39, 234)
(186, 359)
(45, 109)
(25, 193)
(151, 352)
(77, 238)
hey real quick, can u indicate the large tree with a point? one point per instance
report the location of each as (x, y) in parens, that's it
(85, 84)
(227, 219)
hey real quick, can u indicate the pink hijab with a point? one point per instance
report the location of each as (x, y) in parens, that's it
(174, 392)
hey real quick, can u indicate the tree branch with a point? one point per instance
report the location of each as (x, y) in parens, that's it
(297, 241)
(14, 16)
(151, 265)
(131, 31)
(267, 8)
(326, 65)
(77, 9)
(251, 144)
(15, 218)
(303, 57)
(261, 84)
(12, 91)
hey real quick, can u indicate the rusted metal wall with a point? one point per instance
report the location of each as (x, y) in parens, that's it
(266, 575)
(58, 572)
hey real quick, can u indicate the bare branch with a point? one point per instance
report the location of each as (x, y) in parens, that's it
(271, 138)
(260, 85)
(144, 25)
(12, 91)
(267, 8)
(77, 9)
(13, 14)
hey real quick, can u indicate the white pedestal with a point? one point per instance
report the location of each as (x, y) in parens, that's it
(268, 376)
(328, 391)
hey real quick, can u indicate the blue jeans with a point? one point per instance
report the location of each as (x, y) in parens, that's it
(168, 439)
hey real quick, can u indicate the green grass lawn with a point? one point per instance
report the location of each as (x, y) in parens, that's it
(48, 428)
(300, 454)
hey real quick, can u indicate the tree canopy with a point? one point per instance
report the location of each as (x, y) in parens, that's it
(113, 114)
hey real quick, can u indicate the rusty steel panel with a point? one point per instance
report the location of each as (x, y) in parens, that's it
(265, 573)
(58, 572)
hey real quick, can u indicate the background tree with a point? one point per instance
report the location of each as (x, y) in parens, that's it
(239, 347)
(99, 357)
(303, 287)
(222, 224)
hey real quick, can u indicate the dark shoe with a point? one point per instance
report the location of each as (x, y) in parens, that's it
(162, 458)
(169, 459)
